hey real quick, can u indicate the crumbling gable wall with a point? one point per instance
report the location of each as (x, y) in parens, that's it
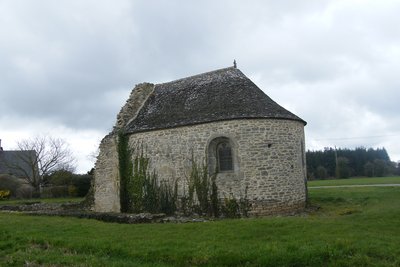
(106, 175)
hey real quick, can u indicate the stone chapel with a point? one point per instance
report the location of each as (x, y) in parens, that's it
(223, 118)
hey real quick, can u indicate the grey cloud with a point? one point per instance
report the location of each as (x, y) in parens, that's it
(74, 63)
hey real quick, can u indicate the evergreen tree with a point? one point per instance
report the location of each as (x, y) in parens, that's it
(369, 169)
(321, 172)
(359, 162)
(343, 169)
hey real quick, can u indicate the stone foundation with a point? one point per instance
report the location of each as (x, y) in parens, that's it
(271, 207)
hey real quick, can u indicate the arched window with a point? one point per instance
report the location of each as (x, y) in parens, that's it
(224, 157)
(221, 155)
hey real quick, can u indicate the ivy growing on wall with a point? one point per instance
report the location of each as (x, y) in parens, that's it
(203, 196)
(140, 190)
(202, 191)
(125, 171)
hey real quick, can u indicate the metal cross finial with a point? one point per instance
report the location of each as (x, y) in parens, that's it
(234, 63)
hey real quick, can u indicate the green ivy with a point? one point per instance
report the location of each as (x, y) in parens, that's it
(125, 171)
(140, 190)
(202, 192)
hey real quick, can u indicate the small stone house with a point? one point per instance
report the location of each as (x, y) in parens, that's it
(223, 118)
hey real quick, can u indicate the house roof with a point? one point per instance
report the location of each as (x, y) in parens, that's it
(15, 162)
(223, 94)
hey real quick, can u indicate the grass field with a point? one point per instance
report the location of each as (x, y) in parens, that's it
(44, 200)
(356, 181)
(353, 227)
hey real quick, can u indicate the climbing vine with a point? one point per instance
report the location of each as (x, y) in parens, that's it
(140, 190)
(125, 171)
(202, 191)
(203, 196)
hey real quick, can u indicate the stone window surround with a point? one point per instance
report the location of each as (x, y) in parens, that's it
(212, 161)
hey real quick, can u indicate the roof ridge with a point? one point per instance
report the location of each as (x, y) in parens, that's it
(198, 75)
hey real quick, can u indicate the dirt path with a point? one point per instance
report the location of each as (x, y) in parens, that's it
(354, 185)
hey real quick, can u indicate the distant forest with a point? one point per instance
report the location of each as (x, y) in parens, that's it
(344, 163)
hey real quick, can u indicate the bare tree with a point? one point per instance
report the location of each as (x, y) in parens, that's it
(43, 155)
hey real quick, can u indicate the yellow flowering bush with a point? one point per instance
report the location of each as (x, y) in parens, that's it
(4, 194)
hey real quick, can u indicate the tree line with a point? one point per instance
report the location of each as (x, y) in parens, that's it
(344, 163)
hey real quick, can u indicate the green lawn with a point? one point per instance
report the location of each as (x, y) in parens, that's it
(42, 200)
(356, 181)
(353, 227)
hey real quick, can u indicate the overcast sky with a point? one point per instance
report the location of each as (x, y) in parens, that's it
(67, 67)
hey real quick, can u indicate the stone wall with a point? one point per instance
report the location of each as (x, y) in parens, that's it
(134, 103)
(268, 155)
(106, 174)
(106, 177)
(269, 159)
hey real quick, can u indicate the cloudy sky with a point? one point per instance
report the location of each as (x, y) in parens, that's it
(67, 67)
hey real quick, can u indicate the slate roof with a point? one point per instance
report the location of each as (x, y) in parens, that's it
(11, 161)
(223, 94)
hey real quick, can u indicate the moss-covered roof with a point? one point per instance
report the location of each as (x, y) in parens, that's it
(224, 94)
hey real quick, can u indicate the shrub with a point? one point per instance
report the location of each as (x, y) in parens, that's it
(167, 198)
(231, 207)
(72, 191)
(235, 208)
(202, 192)
(55, 191)
(5, 194)
(9, 183)
(25, 191)
(18, 188)
(59, 178)
(244, 204)
(82, 184)
(79, 184)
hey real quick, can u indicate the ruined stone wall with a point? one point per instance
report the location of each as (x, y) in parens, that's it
(132, 106)
(269, 159)
(106, 177)
(106, 174)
